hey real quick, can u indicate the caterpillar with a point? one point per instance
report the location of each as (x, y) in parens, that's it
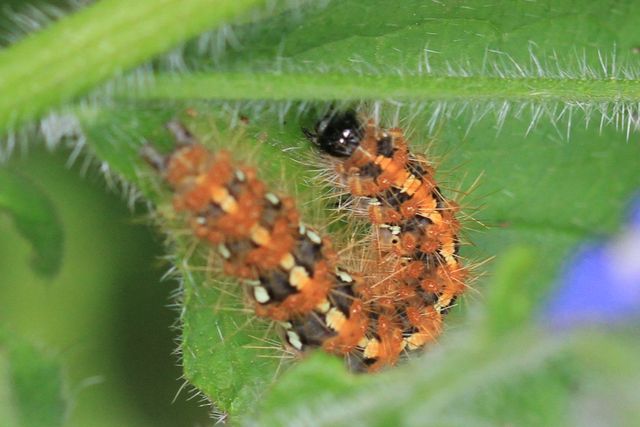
(415, 227)
(290, 272)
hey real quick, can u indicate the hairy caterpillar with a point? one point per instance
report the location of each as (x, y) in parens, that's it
(291, 273)
(415, 227)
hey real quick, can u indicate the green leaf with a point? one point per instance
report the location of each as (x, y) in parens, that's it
(35, 218)
(446, 387)
(549, 200)
(521, 51)
(320, 374)
(31, 385)
(509, 305)
(226, 354)
(72, 56)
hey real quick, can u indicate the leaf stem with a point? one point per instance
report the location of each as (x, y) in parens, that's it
(85, 48)
(307, 86)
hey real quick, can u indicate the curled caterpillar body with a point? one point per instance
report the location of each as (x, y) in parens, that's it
(290, 271)
(413, 223)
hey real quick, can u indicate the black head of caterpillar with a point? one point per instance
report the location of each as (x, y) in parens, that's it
(338, 133)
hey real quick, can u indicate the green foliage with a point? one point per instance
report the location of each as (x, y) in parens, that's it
(106, 315)
(35, 218)
(498, 90)
(510, 306)
(31, 385)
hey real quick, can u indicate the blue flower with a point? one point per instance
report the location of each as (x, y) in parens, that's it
(602, 282)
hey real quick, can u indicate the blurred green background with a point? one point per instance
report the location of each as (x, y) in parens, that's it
(106, 316)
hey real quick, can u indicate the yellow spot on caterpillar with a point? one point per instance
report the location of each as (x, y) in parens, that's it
(372, 349)
(298, 277)
(287, 262)
(411, 185)
(335, 319)
(415, 341)
(229, 205)
(218, 194)
(324, 306)
(221, 196)
(260, 235)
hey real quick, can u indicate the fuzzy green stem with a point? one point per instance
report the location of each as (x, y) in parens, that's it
(299, 86)
(71, 56)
